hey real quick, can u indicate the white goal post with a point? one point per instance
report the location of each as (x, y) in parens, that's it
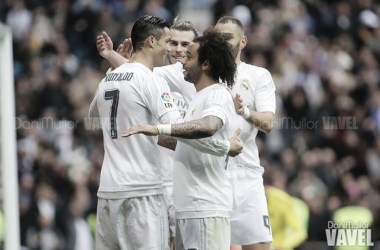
(8, 142)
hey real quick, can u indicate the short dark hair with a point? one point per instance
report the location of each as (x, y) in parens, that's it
(147, 26)
(231, 19)
(213, 46)
(181, 25)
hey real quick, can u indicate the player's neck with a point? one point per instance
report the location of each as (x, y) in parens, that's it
(204, 82)
(143, 57)
(237, 59)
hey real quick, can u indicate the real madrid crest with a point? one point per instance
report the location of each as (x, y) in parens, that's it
(193, 111)
(244, 85)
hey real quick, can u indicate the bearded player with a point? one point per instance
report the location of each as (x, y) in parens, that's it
(254, 92)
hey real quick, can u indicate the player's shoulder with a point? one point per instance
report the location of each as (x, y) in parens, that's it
(130, 72)
(143, 73)
(220, 89)
(170, 67)
(156, 83)
(252, 70)
(158, 80)
(178, 66)
(136, 68)
(218, 94)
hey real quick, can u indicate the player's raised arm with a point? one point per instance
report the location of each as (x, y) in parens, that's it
(116, 58)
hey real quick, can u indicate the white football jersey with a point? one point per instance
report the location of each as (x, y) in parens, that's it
(201, 188)
(128, 96)
(166, 155)
(173, 74)
(255, 86)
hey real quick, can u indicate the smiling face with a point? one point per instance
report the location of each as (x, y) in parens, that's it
(161, 48)
(237, 36)
(180, 41)
(192, 70)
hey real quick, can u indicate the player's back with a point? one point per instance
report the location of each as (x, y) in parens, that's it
(130, 164)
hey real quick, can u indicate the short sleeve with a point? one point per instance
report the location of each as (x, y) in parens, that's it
(265, 98)
(216, 105)
(157, 97)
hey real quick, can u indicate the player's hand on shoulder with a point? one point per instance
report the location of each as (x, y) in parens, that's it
(236, 144)
(141, 129)
(104, 45)
(125, 49)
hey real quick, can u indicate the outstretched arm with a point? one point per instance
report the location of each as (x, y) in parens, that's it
(205, 127)
(116, 58)
(201, 128)
(208, 145)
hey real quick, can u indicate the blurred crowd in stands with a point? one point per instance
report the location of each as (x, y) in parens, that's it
(324, 58)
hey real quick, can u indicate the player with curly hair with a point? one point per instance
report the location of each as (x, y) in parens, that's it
(202, 193)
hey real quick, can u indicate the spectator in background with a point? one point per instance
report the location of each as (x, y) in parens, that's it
(19, 19)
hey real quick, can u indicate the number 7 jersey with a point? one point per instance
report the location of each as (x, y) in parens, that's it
(128, 96)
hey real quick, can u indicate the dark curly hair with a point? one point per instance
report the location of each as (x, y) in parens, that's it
(147, 26)
(215, 49)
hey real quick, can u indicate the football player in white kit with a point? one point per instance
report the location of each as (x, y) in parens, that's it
(250, 226)
(130, 201)
(182, 34)
(131, 209)
(202, 192)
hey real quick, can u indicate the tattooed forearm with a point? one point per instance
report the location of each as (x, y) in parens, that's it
(196, 129)
(167, 142)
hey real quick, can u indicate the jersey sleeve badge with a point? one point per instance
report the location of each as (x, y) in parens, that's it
(167, 100)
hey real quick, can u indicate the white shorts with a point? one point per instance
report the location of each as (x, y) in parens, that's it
(211, 233)
(133, 223)
(168, 194)
(249, 220)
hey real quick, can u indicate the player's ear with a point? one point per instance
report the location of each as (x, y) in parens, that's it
(243, 42)
(150, 41)
(206, 65)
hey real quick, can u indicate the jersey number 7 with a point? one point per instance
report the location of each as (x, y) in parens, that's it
(114, 96)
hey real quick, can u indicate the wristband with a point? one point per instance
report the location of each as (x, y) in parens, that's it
(246, 113)
(165, 129)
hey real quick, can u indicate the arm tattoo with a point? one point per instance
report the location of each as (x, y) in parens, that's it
(167, 142)
(196, 129)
